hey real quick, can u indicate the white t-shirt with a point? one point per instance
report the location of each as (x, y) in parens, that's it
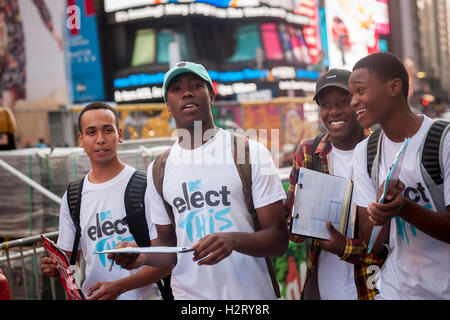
(101, 219)
(205, 192)
(336, 277)
(418, 266)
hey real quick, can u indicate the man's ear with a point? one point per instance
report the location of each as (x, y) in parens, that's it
(212, 95)
(395, 87)
(120, 135)
(80, 139)
(168, 107)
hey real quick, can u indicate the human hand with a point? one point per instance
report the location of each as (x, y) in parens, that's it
(49, 267)
(381, 213)
(336, 243)
(214, 248)
(127, 261)
(105, 291)
(394, 184)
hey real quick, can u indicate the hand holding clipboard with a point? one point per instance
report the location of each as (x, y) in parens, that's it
(391, 180)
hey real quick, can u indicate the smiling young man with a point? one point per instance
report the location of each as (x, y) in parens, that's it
(203, 188)
(102, 214)
(330, 274)
(415, 232)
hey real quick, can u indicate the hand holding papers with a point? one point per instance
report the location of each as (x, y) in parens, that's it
(391, 178)
(65, 274)
(320, 198)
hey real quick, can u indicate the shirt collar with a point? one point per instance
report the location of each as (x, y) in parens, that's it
(324, 146)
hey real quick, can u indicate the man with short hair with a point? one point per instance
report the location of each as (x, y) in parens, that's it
(203, 188)
(102, 214)
(414, 230)
(330, 274)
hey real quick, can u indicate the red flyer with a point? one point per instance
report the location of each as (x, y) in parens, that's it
(65, 274)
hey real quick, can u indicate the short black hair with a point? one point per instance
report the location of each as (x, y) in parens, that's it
(96, 106)
(387, 66)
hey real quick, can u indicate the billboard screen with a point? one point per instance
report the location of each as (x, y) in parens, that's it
(31, 49)
(124, 11)
(353, 29)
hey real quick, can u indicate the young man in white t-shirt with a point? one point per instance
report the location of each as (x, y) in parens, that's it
(203, 188)
(416, 235)
(330, 274)
(102, 215)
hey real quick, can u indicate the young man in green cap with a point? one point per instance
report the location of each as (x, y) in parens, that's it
(203, 189)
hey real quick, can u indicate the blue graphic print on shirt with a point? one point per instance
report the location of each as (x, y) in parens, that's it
(107, 233)
(207, 212)
(414, 194)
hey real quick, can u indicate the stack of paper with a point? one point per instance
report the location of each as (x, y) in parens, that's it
(320, 198)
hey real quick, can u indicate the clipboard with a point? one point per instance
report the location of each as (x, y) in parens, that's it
(147, 250)
(65, 274)
(320, 198)
(394, 173)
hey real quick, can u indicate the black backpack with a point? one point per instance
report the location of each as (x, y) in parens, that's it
(431, 160)
(135, 219)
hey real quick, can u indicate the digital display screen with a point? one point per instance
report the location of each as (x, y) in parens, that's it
(354, 28)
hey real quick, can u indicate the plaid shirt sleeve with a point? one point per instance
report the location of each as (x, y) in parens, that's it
(356, 253)
(302, 158)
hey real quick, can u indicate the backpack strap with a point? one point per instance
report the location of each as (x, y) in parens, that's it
(134, 199)
(74, 202)
(373, 155)
(158, 179)
(432, 162)
(135, 208)
(316, 161)
(241, 157)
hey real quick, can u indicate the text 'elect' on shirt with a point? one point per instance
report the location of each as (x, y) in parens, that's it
(103, 226)
(207, 198)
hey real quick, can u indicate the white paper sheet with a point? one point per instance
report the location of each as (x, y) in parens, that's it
(147, 250)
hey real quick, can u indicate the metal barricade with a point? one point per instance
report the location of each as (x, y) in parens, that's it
(8, 254)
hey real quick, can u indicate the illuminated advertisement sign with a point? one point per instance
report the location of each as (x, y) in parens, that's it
(131, 10)
(82, 52)
(309, 9)
(353, 29)
(115, 5)
(149, 86)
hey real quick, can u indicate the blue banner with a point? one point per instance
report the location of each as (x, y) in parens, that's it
(83, 59)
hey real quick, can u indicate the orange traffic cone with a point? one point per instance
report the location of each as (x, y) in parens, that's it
(4, 288)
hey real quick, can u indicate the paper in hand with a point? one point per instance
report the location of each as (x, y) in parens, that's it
(392, 177)
(147, 250)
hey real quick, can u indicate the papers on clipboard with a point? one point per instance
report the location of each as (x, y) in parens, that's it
(320, 198)
(394, 172)
(65, 274)
(147, 250)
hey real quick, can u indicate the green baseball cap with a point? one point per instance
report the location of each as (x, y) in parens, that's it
(185, 67)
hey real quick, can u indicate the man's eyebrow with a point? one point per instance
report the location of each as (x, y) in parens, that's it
(357, 82)
(103, 126)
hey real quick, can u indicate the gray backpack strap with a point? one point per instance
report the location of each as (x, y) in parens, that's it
(373, 156)
(243, 165)
(431, 164)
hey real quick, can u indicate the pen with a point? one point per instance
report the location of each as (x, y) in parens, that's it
(112, 260)
(112, 263)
